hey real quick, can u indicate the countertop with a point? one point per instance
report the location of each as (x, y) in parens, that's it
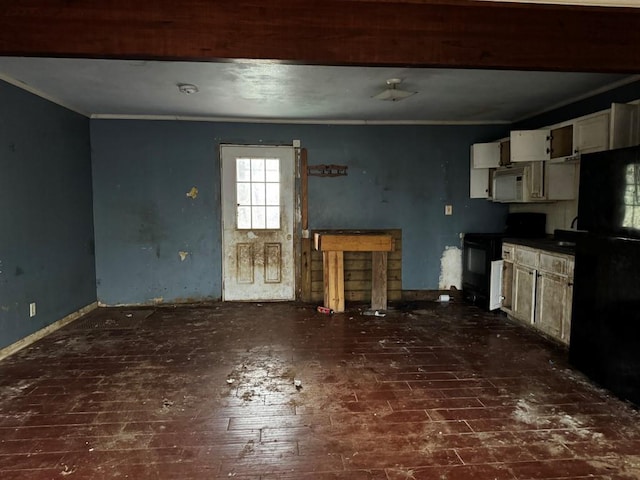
(550, 244)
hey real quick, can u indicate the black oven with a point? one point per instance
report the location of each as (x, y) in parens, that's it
(482, 253)
(480, 250)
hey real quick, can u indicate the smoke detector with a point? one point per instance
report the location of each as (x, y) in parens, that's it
(187, 88)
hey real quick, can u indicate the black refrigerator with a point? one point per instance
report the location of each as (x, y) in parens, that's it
(605, 325)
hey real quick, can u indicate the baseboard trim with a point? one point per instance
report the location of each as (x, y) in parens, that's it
(43, 332)
(429, 295)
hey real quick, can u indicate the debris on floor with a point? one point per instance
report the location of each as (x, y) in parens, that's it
(451, 392)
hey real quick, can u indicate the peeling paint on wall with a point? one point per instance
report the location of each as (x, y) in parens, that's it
(251, 236)
(157, 299)
(183, 255)
(193, 193)
(450, 268)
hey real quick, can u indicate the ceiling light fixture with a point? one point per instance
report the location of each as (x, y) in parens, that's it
(392, 93)
(187, 88)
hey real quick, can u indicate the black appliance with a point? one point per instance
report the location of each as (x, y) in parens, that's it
(480, 274)
(605, 324)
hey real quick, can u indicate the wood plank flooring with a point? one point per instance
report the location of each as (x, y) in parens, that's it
(279, 391)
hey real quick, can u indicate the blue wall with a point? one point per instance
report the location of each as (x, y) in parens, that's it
(398, 177)
(46, 226)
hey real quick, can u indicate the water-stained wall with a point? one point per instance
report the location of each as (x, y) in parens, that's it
(46, 226)
(157, 243)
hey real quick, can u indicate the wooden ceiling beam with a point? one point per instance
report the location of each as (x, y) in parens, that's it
(416, 33)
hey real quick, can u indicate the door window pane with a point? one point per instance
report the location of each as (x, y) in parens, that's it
(273, 194)
(243, 193)
(243, 170)
(244, 217)
(258, 193)
(272, 167)
(258, 217)
(273, 217)
(257, 169)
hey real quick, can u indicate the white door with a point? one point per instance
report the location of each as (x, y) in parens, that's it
(258, 209)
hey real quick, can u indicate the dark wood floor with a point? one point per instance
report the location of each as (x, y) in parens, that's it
(428, 392)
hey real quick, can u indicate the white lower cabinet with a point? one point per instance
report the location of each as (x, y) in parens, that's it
(551, 302)
(540, 290)
(524, 287)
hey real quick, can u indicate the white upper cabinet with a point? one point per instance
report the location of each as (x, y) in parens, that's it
(548, 156)
(543, 144)
(591, 133)
(530, 145)
(560, 181)
(625, 125)
(485, 155)
(479, 182)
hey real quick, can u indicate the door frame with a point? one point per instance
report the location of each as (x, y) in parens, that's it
(297, 221)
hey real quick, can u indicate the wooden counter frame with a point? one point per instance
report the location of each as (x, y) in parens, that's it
(333, 246)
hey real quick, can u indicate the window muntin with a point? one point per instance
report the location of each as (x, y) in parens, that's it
(632, 197)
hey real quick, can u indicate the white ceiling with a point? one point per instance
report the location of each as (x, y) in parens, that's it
(264, 91)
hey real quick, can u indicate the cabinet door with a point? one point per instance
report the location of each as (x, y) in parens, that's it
(524, 286)
(560, 181)
(530, 145)
(485, 155)
(479, 183)
(625, 125)
(507, 285)
(536, 181)
(566, 320)
(495, 282)
(591, 134)
(551, 303)
(566, 324)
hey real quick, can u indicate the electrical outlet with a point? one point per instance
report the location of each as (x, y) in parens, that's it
(32, 309)
(448, 209)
